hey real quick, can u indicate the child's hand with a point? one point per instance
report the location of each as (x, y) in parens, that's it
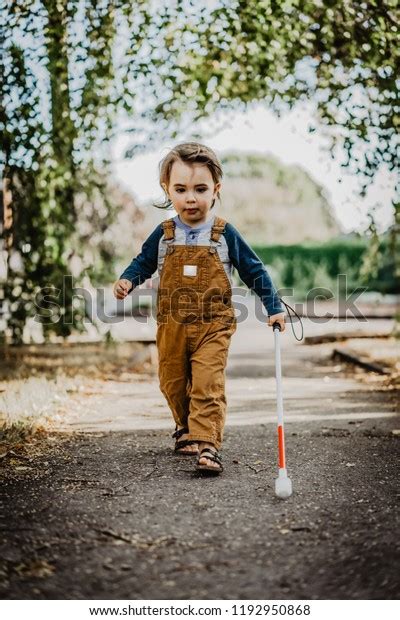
(122, 288)
(278, 318)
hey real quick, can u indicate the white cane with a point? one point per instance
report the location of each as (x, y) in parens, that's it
(283, 484)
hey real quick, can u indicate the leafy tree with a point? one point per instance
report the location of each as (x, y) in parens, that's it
(62, 88)
(341, 55)
(69, 69)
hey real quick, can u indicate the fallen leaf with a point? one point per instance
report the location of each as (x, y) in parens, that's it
(35, 568)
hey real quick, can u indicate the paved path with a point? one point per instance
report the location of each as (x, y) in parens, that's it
(110, 512)
(313, 388)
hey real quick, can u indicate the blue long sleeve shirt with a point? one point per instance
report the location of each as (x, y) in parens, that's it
(248, 265)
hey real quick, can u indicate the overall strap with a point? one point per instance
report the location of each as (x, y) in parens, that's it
(217, 229)
(169, 229)
(169, 234)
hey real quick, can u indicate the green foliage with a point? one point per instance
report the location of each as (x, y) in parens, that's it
(60, 100)
(311, 266)
(70, 68)
(342, 55)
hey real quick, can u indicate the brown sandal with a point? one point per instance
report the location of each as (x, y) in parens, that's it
(213, 455)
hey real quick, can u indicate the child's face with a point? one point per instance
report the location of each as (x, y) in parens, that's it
(192, 191)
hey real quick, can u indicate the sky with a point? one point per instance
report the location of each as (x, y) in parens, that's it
(287, 138)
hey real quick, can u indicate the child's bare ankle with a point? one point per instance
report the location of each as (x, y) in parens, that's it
(206, 444)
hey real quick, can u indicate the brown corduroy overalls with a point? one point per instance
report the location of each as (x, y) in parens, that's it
(195, 322)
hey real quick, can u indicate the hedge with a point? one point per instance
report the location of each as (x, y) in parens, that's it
(303, 267)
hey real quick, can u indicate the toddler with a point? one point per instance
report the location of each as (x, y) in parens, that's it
(194, 253)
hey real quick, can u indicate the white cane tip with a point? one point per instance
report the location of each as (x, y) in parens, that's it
(283, 487)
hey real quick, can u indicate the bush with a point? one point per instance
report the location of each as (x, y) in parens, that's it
(306, 266)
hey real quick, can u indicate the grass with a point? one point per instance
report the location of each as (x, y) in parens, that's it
(29, 404)
(35, 381)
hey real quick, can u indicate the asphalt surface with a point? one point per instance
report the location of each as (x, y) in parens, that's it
(120, 516)
(110, 512)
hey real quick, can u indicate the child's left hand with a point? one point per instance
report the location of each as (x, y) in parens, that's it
(278, 318)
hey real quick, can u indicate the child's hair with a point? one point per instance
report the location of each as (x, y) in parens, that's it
(191, 153)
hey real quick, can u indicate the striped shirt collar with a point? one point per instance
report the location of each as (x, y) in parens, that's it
(196, 229)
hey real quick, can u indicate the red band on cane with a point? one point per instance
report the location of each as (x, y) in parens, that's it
(281, 447)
